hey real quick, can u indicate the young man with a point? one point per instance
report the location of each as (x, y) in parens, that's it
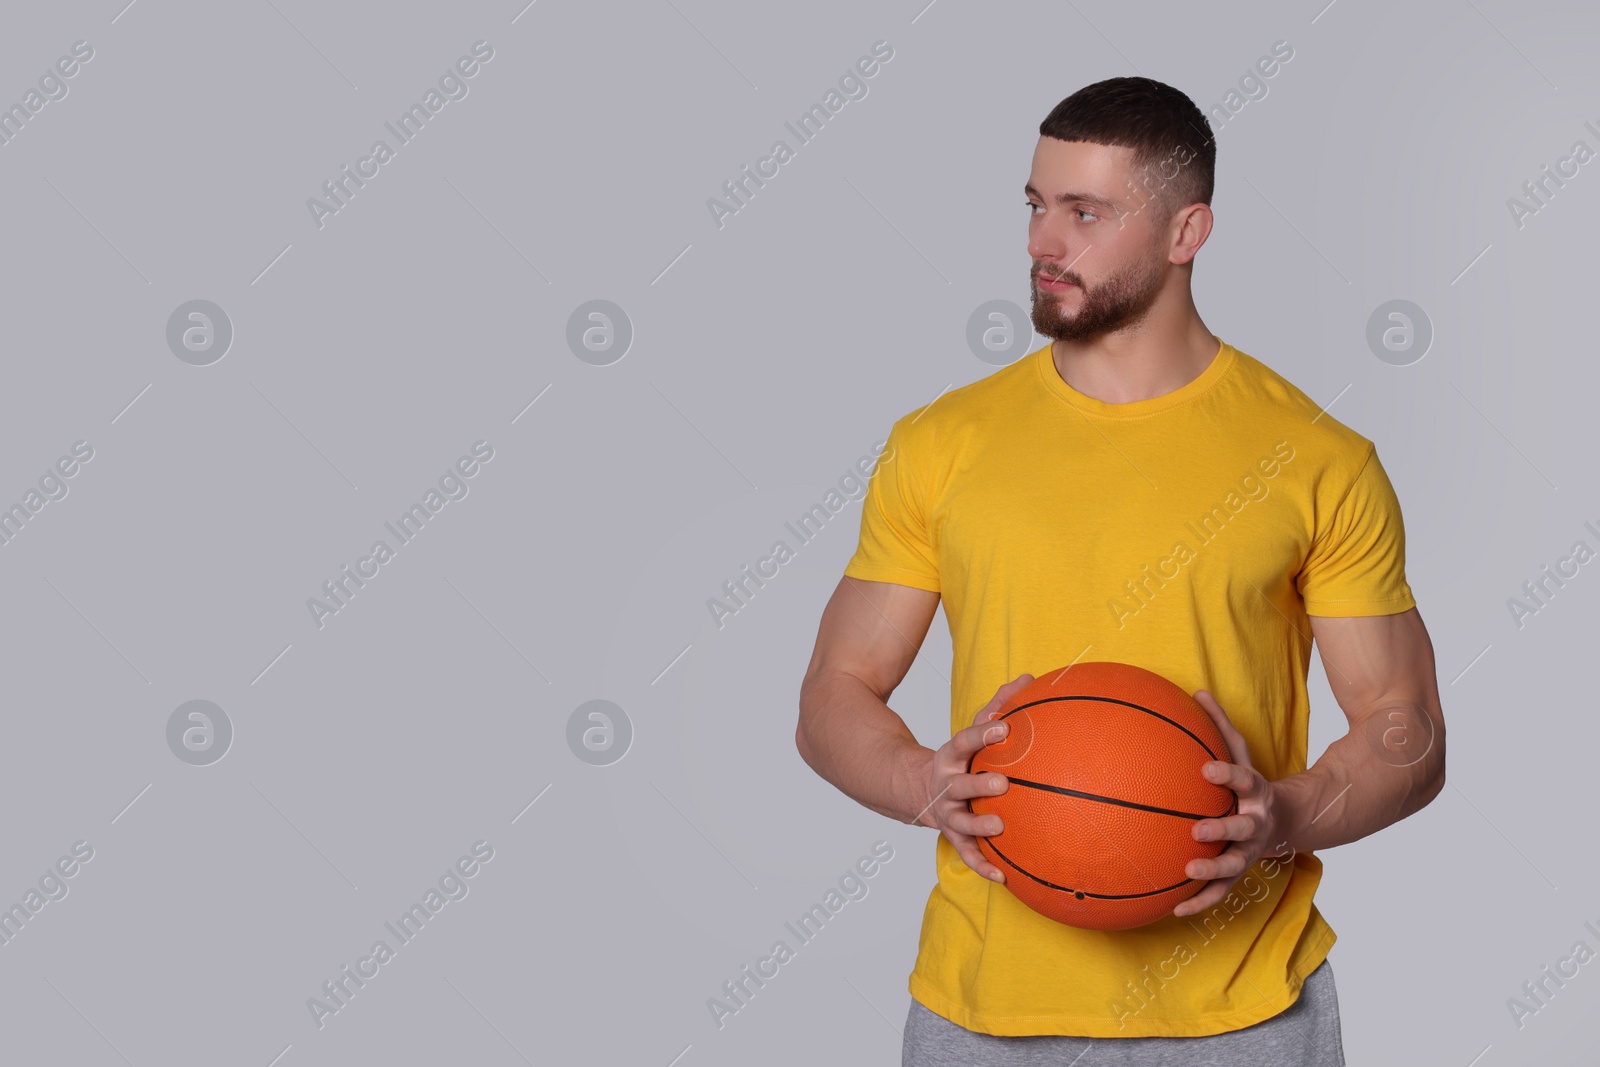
(1140, 491)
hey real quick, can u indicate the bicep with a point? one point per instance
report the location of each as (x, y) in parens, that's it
(872, 631)
(1375, 662)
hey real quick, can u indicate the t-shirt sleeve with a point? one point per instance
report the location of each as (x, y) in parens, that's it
(895, 545)
(1357, 561)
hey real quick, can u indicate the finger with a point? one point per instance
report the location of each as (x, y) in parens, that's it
(1237, 746)
(1228, 864)
(1202, 900)
(966, 743)
(1204, 698)
(1244, 781)
(1229, 828)
(968, 786)
(967, 849)
(1001, 695)
(973, 824)
(991, 709)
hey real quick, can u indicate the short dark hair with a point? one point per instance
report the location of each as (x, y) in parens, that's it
(1153, 119)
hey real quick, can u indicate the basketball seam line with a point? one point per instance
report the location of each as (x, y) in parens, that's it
(1114, 700)
(1085, 892)
(1113, 800)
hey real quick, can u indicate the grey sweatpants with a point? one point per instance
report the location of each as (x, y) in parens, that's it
(1306, 1034)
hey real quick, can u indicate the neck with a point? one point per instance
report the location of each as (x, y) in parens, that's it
(1129, 366)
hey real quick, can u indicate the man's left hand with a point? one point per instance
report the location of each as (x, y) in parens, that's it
(1251, 832)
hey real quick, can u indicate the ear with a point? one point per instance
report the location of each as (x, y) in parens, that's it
(1189, 229)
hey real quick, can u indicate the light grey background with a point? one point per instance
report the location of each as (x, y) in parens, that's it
(769, 356)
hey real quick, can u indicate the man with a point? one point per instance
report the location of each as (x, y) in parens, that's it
(1139, 491)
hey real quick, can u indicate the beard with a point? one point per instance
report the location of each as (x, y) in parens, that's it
(1117, 302)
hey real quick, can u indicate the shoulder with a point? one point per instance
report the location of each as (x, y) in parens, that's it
(962, 410)
(1305, 423)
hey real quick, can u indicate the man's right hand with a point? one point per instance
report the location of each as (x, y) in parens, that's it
(950, 785)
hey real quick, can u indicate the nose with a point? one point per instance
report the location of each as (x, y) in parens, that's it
(1046, 241)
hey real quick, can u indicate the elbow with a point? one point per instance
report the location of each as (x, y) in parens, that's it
(810, 725)
(1438, 745)
(1435, 783)
(801, 742)
(1434, 787)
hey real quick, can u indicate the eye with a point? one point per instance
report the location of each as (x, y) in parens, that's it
(1031, 206)
(1080, 211)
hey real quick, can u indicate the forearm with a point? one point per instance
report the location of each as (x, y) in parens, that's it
(1366, 780)
(856, 742)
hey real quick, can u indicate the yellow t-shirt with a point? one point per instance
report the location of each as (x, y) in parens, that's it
(1190, 534)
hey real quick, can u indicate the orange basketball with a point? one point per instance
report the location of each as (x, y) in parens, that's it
(1104, 763)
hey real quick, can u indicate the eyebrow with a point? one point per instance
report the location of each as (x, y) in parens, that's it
(1066, 198)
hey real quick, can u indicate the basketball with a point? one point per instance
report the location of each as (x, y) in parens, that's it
(1104, 763)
